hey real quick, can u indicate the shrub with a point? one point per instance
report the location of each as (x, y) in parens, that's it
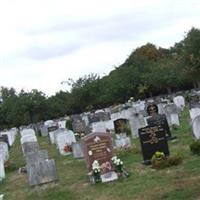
(174, 160)
(160, 161)
(195, 147)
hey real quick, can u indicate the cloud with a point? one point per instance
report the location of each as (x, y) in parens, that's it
(45, 42)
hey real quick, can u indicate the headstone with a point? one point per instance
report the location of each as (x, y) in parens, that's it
(196, 127)
(27, 132)
(122, 141)
(152, 139)
(160, 120)
(33, 157)
(29, 147)
(4, 151)
(121, 125)
(194, 112)
(62, 124)
(44, 130)
(4, 138)
(64, 142)
(152, 109)
(172, 114)
(2, 169)
(179, 101)
(98, 146)
(41, 172)
(28, 138)
(10, 137)
(79, 126)
(77, 150)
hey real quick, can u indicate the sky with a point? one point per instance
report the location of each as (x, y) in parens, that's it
(45, 42)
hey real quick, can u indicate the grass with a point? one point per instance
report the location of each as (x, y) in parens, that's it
(178, 182)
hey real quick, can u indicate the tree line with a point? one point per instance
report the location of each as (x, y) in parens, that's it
(148, 71)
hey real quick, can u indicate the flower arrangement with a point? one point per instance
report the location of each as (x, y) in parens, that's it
(105, 167)
(117, 163)
(67, 148)
(96, 170)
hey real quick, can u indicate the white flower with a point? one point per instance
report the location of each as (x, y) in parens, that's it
(90, 153)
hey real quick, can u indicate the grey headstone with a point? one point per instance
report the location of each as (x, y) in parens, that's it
(77, 150)
(38, 156)
(29, 147)
(42, 172)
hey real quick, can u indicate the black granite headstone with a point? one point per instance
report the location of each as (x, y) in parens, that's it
(153, 139)
(160, 120)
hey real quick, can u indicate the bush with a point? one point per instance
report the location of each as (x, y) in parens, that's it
(195, 147)
(160, 161)
(174, 160)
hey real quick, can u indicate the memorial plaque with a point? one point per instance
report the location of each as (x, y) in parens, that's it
(98, 146)
(153, 139)
(152, 109)
(160, 120)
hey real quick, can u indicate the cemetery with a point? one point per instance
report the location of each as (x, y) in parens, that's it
(158, 161)
(132, 133)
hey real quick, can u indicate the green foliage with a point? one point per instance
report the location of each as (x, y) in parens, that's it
(148, 71)
(160, 161)
(195, 147)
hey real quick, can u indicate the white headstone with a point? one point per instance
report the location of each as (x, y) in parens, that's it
(194, 112)
(62, 124)
(196, 127)
(2, 169)
(65, 140)
(179, 101)
(27, 131)
(4, 151)
(28, 138)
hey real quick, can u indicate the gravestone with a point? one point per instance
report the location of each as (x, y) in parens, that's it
(122, 141)
(64, 142)
(44, 130)
(152, 109)
(79, 126)
(172, 113)
(27, 132)
(28, 147)
(4, 151)
(41, 172)
(77, 150)
(194, 112)
(33, 157)
(4, 138)
(2, 169)
(179, 101)
(196, 127)
(157, 120)
(152, 139)
(98, 146)
(121, 125)
(51, 130)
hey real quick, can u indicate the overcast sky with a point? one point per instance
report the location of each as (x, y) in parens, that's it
(44, 42)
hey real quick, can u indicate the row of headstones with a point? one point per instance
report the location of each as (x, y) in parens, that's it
(7, 139)
(39, 167)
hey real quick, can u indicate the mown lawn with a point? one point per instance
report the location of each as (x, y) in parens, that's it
(145, 183)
